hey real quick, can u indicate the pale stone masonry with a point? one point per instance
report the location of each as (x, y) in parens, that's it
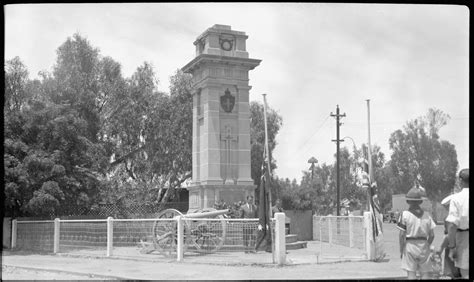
(221, 118)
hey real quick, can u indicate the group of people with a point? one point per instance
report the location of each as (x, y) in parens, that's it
(417, 234)
(249, 210)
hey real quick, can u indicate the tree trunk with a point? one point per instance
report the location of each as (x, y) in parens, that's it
(173, 183)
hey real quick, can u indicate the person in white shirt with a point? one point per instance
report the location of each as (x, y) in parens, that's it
(458, 225)
(416, 235)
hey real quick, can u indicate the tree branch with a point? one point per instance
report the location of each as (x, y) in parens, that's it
(128, 155)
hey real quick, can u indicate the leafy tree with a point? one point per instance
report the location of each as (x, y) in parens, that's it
(15, 176)
(257, 144)
(321, 189)
(257, 137)
(16, 80)
(347, 185)
(50, 167)
(153, 134)
(386, 181)
(285, 192)
(420, 156)
(315, 193)
(435, 120)
(172, 140)
(53, 159)
(76, 75)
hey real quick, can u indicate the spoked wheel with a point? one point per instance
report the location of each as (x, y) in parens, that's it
(207, 236)
(165, 232)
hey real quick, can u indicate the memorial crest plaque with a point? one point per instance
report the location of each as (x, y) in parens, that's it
(227, 101)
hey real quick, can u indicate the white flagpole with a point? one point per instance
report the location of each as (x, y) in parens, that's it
(378, 252)
(369, 149)
(267, 154)
(267, 181)
(372, 247)
(266, 132)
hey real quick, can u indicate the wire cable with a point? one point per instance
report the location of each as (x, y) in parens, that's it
(317, 130)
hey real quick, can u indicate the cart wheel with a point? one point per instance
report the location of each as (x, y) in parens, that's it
(165, 232)
(207, 236)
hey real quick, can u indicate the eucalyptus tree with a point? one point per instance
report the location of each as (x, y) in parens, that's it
(420, 155)
(53, 157)
(257, 137)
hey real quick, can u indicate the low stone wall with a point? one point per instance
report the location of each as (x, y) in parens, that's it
(7, 232)
(301, 223)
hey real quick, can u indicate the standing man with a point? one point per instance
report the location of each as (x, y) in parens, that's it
(277, 207)
(248, 210)
(458, 225)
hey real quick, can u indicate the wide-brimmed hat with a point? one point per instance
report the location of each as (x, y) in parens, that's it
(415, 194)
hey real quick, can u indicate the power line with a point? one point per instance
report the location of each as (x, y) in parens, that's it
(317, 130)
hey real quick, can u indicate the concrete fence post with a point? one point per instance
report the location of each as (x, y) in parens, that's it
(14, 232)
(320, 226)
(180, 239)
(329, 231)
(321, 235)
(351, 232)
(280, 239)
(110, 236)
(57, 229)
(273, 234)
(369, 243)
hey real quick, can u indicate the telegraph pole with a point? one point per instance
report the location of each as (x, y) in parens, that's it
(337, 115)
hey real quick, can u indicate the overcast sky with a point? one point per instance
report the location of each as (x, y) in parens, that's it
(404, 58)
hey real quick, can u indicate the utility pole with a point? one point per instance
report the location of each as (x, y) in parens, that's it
(337, 115)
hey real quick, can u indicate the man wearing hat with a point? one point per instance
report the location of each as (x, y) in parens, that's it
(458, 221)
(416, 235)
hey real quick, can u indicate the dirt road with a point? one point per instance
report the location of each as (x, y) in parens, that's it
(16, 273)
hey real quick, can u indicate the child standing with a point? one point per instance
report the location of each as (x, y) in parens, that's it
(416, 235)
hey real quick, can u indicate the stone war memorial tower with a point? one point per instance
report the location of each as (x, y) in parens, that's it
(221, 118)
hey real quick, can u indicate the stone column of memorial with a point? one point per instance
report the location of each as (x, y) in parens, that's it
(221, 118)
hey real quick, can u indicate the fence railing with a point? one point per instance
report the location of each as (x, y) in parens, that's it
(33, 235)
(342, 237)
(177, 236)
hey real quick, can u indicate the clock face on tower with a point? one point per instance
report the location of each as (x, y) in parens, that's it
(226, 44)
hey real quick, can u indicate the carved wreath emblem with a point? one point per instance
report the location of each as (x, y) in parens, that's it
(226, 44)
(227, 101)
